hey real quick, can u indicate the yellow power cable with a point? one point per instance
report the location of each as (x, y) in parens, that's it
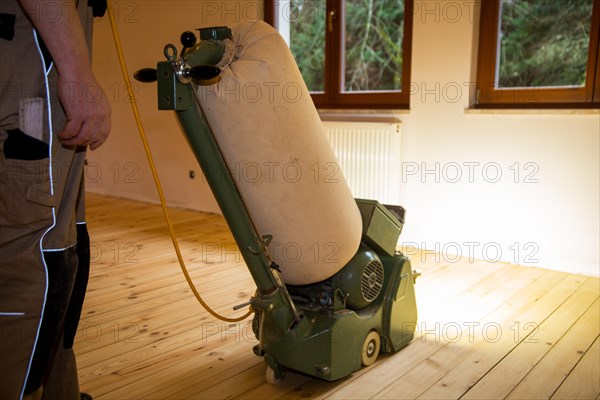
(155, 174)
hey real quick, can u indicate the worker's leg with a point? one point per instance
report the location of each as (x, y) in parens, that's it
(25, 217)
(22, 279)
(63, 382)
(62, 266)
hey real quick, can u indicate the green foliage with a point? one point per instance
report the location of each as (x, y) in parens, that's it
(544, 42)
(307, 40)
(372, 44)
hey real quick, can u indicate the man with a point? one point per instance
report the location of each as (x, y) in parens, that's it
(51, 109)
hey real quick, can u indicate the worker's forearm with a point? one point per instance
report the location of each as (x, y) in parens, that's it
(62, 34)
(87, 120)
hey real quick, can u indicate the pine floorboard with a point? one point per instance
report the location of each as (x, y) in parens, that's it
(486, 330)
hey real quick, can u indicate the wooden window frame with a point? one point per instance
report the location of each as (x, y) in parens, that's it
(334, 97)
(489, 96)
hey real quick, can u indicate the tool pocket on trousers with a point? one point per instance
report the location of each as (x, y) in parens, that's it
(26, 199)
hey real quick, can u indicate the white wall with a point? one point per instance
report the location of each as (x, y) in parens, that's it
(120, 167)
(542, 210)
(547, 214)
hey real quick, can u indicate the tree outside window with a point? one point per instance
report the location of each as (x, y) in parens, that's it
(536, 53)
(352, 53)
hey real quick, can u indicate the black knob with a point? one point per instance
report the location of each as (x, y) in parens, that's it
(188, 39)
(204, 72)
(146, 75)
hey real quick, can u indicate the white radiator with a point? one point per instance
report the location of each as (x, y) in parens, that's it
(369, 157)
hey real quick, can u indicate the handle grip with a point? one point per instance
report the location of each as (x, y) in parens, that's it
(204, 72)
(146, 75)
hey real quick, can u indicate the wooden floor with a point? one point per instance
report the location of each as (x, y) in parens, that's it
(486, 330)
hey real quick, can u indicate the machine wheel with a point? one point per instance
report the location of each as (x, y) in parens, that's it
(370, 348)
(271, 376)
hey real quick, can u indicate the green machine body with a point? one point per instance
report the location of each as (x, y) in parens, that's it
(328, 329)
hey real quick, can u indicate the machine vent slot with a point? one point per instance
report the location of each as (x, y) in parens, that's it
(372, 280)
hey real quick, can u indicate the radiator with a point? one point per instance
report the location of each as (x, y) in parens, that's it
(369, 158)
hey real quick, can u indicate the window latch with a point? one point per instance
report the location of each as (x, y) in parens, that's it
(330, 18)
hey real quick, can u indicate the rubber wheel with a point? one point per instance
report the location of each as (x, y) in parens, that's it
(370, 348)
(271, 377)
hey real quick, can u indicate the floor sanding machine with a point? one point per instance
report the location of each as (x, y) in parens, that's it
(332, 290)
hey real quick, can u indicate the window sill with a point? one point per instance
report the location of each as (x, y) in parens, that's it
(533, 111)
(362, 115)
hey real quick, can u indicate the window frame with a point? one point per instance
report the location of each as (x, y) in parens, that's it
(489, 96)
(334, 97)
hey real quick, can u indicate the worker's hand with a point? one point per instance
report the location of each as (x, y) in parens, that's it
(84, 102)
(87, 110)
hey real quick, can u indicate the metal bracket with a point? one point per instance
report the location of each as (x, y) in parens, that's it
(172, 94)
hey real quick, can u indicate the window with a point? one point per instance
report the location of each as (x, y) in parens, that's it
(539, 53)
(352, 53)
